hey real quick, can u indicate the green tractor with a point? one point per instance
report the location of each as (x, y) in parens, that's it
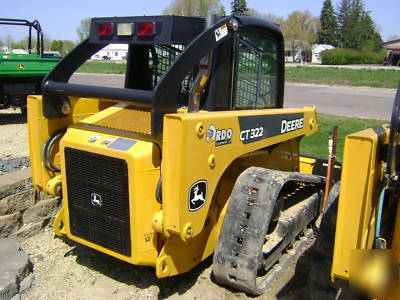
(22, 74)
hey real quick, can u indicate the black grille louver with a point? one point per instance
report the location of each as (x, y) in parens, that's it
(107, 225)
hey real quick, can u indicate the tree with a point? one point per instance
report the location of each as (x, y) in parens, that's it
(194, 8)
(46, 41)
(83, 30)
(210, 6)
(329, 25)
(8, 41)
(344, 14)
(371, 40)
(21, 44)
(62, 46)
(67, 46)
(267, 17)
(221, 11)
(239, 8)
(357, 30)
(56, 45)
(300, 30)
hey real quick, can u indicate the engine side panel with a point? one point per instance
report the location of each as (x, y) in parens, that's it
(109, 185)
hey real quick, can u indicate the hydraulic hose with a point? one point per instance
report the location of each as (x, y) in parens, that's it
(378, 242)
(47, 148)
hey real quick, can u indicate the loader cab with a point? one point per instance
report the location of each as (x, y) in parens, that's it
(179, 63)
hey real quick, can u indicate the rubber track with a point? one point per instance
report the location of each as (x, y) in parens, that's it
(238, 253)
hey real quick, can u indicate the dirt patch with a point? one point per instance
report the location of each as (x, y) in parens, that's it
(64, 269)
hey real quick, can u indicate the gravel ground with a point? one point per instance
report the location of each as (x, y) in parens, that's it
(13, 140)
(66, 270)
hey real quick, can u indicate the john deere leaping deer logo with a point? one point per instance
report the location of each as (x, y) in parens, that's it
(95, 199)
(197, 195)
(21, 67)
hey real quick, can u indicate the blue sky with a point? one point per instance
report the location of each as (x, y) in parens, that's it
(59, 19)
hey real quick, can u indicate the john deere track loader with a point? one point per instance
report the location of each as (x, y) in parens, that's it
(194, 156)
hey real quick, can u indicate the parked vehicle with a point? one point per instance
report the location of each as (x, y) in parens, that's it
(21, 74)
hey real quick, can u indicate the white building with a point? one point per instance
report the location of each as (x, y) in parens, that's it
(112, 52)
(316, 52)
(301, 55)
(293, 56)
(19, 51)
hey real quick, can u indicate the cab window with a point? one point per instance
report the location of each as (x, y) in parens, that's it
(256, 67)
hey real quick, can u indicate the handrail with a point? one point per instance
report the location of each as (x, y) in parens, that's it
(140, 98)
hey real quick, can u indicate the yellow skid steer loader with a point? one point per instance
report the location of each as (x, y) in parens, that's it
(195, 155)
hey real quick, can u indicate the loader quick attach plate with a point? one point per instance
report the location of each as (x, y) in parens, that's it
(264, 216)
(98, 204)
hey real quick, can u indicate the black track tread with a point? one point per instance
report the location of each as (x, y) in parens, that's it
(238, 252)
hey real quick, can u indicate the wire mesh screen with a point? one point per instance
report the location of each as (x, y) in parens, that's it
(268, 86)
(246, 86)
(256, 84)
(162, 57)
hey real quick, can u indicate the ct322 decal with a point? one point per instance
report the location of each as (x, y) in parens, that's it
(256, 128)
(251, 133)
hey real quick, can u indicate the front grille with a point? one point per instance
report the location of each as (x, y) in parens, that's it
(98, 199)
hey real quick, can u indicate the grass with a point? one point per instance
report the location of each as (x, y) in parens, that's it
(102, 67)
(317, 144)
(343, 76)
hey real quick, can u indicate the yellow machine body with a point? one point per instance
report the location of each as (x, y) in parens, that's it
(169, 236)
(362, 174)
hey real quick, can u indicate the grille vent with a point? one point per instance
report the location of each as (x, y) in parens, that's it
(103, 218)
(131, 119)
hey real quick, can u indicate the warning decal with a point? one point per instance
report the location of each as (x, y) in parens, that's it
(221, 32)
